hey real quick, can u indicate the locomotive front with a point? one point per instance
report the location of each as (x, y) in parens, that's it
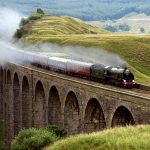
(119, 76)
(128, 78)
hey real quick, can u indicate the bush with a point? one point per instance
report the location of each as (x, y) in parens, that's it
(124, 27)
(36, 16)
(20, 32)
(60, 133)
(24, 22)
(116, 28)
(40, 11)
(2, 146)
(142, 30)
(33, 139)
(111, 28)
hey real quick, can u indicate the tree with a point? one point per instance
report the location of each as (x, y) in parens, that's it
(142, 30)
(40, 11)
(111, 28)
(124, 27)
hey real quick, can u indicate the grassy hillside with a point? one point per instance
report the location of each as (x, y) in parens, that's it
(130, 138)
(132, 23)
(135, 49)
(52, 25)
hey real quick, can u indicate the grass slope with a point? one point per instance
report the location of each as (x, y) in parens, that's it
(135, 138)
(53, 25)
(135, 49)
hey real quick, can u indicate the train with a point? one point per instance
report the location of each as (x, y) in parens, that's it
(118, 76)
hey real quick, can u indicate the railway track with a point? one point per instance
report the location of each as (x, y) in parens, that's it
(134, 91)
(140, 92)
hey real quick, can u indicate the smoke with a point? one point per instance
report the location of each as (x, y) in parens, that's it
(9, 22)
(8, 53)
(94, 55)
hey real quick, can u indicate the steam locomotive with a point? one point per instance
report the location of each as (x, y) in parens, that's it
(96, 72)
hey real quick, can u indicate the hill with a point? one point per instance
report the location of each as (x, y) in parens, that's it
(131, 23)
(62, 25)
(134, 49)
(86, 10)
(118, 138)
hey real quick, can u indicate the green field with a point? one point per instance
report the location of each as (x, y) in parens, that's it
(134, 49)
(130, 138)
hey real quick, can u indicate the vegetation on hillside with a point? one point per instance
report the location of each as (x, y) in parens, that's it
(130, 138)
(117, 28)
(32, 139)
(26, 23)
(134, 49)
(36, 139)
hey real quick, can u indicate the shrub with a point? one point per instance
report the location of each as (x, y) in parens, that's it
(2, 146)
(116, 28)
(23, 22)
(20, 32)
(60, 133)
(110, 28)
(142, 30)
(36, 16)
(124, 27)
(33, 139)
(40, 11)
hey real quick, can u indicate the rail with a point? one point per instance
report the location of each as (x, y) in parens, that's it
(116, 90)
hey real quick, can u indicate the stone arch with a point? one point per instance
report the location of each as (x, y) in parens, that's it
(39, 106)
(54, 107)
(16, 104)
(1, 92)
(71, 114)
(94, 119)
(26, 111)
(8, 104)
(8, 80)
(122, 117)
(1, 73)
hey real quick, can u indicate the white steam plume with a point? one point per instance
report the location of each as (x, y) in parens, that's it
(9, 22)
(95, 55)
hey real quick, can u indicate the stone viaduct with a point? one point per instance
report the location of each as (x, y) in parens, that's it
(33, 98)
